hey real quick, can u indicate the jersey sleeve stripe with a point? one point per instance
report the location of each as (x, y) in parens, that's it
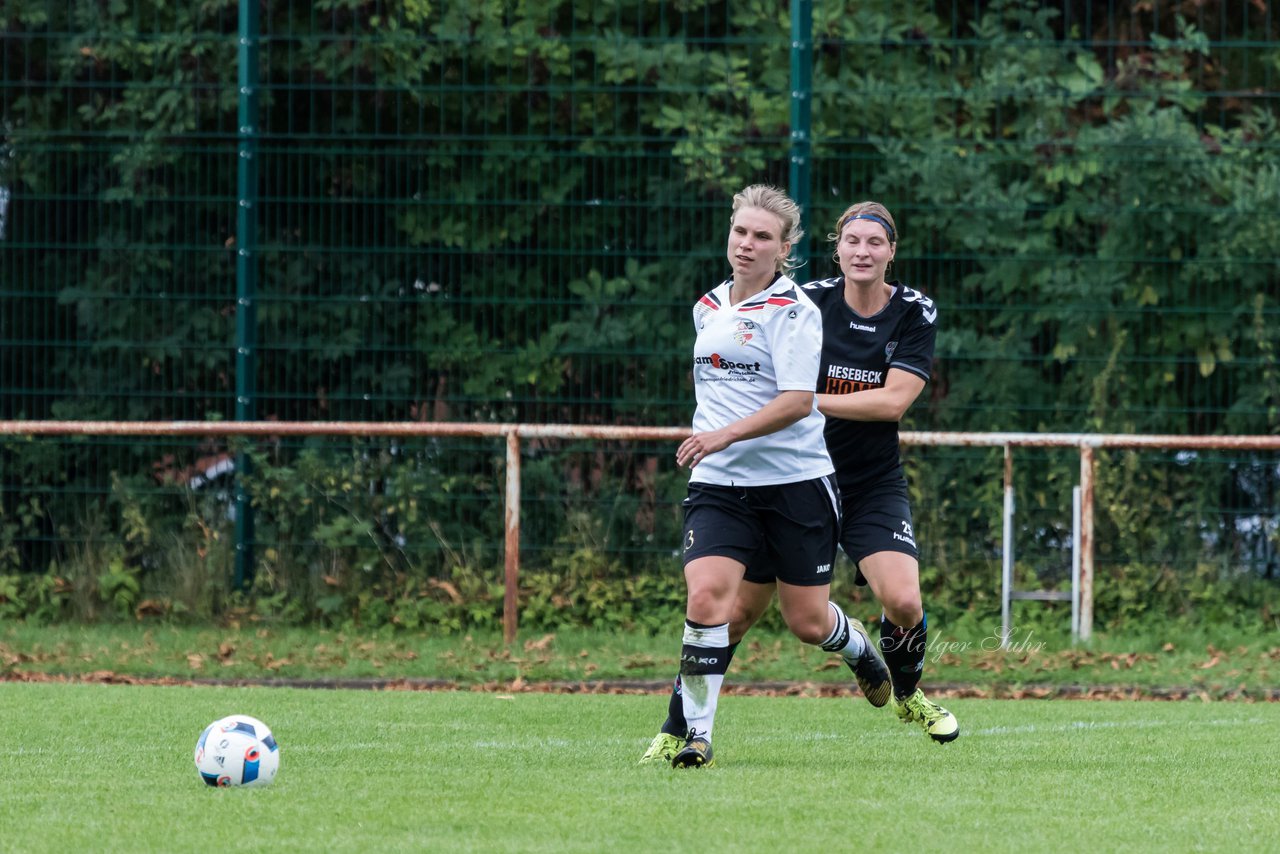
(903, 366)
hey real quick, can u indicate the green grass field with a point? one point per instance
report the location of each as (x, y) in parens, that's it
(97, 767)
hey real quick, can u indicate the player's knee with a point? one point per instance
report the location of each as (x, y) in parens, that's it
(903, 609)
(809, 628)
(709, 605)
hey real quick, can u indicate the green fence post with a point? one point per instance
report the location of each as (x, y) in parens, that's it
(246, 275)
(801, 103)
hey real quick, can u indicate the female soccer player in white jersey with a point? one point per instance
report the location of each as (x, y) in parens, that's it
(762, 501)
(877, 355)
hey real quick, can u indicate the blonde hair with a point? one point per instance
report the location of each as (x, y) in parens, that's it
(873, 211)
(778, 203)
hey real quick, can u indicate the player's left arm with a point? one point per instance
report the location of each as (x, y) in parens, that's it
(888, 403)
(906, 376)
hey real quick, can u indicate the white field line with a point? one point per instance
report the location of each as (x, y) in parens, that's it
(1076, 726)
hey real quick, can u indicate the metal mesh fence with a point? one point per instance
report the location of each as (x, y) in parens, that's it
(497, 212)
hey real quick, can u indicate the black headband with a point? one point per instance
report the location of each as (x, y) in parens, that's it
(893, 238)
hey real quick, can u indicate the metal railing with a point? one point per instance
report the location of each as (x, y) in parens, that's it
(1083, 533)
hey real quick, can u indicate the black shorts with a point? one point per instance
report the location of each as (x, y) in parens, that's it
(877, 518)
(786, 532)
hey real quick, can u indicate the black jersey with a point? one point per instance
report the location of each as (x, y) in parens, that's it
(857, 353)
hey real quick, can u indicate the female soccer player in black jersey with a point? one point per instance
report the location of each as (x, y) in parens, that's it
(762, 505)
(877, 355)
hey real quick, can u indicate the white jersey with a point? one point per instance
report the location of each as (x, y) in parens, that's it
(744, 355)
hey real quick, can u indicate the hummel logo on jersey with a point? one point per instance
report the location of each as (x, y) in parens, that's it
(861, 327)
(906, 536)
(823, 567)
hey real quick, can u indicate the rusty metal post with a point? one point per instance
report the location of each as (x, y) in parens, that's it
(1086, 542)
(511, 560)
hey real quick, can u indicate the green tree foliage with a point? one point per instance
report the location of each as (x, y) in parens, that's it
(489, 211)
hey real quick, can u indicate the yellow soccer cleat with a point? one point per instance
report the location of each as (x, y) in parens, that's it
(663, 748)
(937, 722)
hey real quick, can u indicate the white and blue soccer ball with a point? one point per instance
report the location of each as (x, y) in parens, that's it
(237, 751)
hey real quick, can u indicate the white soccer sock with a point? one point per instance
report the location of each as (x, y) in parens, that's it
(843, 639)
(704, 659)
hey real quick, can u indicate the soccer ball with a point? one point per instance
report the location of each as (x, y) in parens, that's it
(237, 751)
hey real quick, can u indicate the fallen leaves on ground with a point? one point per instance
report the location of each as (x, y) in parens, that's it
(663, 687)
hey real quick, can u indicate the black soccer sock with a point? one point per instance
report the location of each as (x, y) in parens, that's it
(903, 650)
(675, 723)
